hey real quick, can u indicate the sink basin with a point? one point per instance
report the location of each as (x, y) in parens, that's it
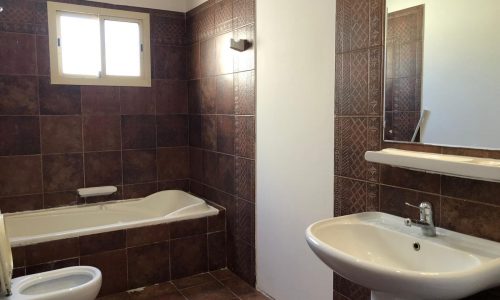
(378, 251)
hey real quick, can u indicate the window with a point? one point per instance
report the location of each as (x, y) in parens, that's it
(97, 46)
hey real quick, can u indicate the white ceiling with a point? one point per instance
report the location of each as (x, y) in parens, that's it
(172, 5)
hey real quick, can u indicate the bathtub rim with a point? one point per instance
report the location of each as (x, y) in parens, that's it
(42, 238)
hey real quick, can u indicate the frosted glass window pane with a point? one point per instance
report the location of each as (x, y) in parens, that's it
(123, 48)
(80, 45)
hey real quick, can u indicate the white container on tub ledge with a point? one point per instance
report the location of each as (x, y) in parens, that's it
(454, 165)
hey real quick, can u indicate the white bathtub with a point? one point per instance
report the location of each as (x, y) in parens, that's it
(33, 227)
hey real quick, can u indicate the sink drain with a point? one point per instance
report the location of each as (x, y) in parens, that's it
(416, 246)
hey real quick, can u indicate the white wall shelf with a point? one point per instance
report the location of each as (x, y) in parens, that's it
(453, 165)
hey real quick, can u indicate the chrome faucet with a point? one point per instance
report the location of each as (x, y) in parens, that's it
(425, 223)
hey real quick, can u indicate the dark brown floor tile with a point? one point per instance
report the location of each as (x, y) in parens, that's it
(58, 99)
(62, 172)
(100, 100)
(103, 168)
(118, 296)
(208, 291)
(225, 134)
(61, 199)
(173, 163)
(148, 264)
(113, 266)
(51, 251)
(17, 54)
(471, 218)
(140, 190)
(217, 250)
(172, 131)
(424, 182)
(71, 262)
(137, 101)
(19, 95)
(139, 166)
(225, 94)
(102, 133)
(28, 179)
(481, 191)
(138, 132)
(19, 135)
(148, 235)
(162, 291)
(101, 242)
(171, 96)
(392, 201)
(189, 256)
(188, 228)
(21, 203)
(238, 286)
(61, 134)
(222, 274)
(194, 280)
(244, 93)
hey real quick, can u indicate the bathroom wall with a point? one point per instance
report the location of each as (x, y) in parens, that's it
(57, 138)
(295, 75)
(222, 120)
(463, 205)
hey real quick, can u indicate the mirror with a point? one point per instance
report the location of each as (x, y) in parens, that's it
(442, 73)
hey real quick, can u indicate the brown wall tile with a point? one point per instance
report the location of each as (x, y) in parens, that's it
(138, 132)
(28, 179)
(225, 94)
(17, 54)
(189, 256)
(172, 131)
(61, 134)
(148, 265)
(102, 133)
(62, 172)
(19, 135)
(139, 166)
(20, 203)
(136, 101)
(44, 252)
(103, 168)
(148, 235)
(171, 96)
(58, 99)
(173, 163)
(102, 242)
(113, 266)
(100, 100)
(18, 95)
(131, 191)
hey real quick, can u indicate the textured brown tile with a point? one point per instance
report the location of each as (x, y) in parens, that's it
(244, 12)
(61, 199)
(392, 201)
(18, 272)
(194, 67)
(136, 101)
(103, 168)
(19, 256)
(139, 190)
(224, 55)
(28, 179)
(58, 99)
(244, 93)
(139, 166)
(102, 133)
(169, 62)
(113, 266)
(225, 94)
(245, 178)
(61, 134)
(471, 218)
(188, 228)
(245, 61)
(100, 100)
(351, 145)
(148, 235)
(207, 58)
(212, 290)
(172, 131)
(168, 29)
(62, 172)
(51, 251)
(18, 95)
(182, 185)
(101, 242)
(209, 132)
(171, 96)
(246, 221)
(164, 291)
(138, 132)
(195, 131)
(481, 191)
(338, 296)
(216, 250)
(194, 96)
(148, 265)
(17, 54)
(217, 222)
(238, 286)
(222, 274)
(346, 287)
(425, 182)
(225, 173)
(18, 16)
(173, 163)
(42, 55)
(19, 135)
(241, 259)
(21, 203)
(210, 163)
(189, 256)
(194, 280)
(245, 137)
(54, 265)
(208, 94)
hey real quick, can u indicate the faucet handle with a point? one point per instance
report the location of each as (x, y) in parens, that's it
(414, 206)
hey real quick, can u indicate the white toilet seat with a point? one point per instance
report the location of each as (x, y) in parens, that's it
(81, 282)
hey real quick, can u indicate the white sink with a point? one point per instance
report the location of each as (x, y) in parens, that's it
(378, 251)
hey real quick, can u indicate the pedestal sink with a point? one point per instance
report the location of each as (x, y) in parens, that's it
(378, 251)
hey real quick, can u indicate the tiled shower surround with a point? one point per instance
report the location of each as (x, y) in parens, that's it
(192, 130)
(463, 205)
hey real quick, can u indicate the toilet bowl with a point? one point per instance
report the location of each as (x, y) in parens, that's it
(75, 283)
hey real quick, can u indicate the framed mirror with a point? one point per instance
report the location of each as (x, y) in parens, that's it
(442, 73)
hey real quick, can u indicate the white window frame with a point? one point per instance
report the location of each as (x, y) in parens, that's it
(56, 9)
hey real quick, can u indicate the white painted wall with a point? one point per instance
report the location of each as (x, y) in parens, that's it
(460, 71)
(295, 99)
(172, 5)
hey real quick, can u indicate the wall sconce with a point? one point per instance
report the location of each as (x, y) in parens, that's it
(240, 45)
